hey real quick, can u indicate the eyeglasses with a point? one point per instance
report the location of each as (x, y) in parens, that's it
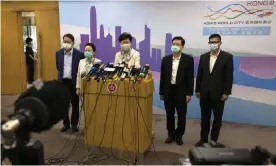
(213, 42)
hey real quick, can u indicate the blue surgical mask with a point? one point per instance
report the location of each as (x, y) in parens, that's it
(213, 47)
(175, 49)
(88, 54)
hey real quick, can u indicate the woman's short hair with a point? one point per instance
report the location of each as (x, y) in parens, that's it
(91, 45)
(125, 36)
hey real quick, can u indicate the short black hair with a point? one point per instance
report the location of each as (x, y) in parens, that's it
(179, 38)
(28, 40)
(125, 36)
(215, 36)
(70, 36)
(91, 45)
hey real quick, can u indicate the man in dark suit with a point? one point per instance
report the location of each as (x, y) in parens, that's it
(67, 62)
(176, 88)
(213, 86)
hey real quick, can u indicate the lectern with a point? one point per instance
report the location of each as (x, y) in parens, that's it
(118, 114)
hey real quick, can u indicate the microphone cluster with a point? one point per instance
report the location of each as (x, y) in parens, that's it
(102, 71)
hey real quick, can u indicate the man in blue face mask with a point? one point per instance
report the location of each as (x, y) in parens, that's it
(213, 86)
(176, 88)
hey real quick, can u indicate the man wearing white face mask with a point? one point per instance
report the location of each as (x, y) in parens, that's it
(176, 88)
(67, 62)
(213, 86)
(127, 54)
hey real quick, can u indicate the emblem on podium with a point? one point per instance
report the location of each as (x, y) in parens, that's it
(111, 87)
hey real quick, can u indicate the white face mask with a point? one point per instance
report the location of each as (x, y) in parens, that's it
(67, 46)
(125, 47)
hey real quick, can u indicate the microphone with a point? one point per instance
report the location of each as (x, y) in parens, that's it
(93, 69)
(121, 70)
(118, 71)
(100, 72)
(144, 72)
(133, 71)
(39, 108)
(124, 73)
(109, 68)
(136, 76)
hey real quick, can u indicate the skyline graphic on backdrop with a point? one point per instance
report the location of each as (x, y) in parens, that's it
(151, 56)
(244, 73)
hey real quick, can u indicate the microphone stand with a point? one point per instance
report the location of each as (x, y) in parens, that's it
(17, 148)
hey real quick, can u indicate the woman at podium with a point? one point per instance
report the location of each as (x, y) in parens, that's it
(86, 63)
(127, 54)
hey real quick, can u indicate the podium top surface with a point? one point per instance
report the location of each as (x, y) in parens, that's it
(125, 88)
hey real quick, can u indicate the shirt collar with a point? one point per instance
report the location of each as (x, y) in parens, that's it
(215, 56)
(127, 56)
(177, 58)
(71, 52)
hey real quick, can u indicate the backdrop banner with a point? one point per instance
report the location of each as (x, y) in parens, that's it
(248, 30)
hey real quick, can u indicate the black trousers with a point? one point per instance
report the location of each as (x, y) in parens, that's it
(209, 105)
(181, 108)
(75, 105)
(30, 72)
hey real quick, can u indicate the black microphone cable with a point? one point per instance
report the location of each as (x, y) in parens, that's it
(126, 90)
(54, 159)
(140, 109)
(97, 157)
(114, 119)
(86, 160)
(78, 137)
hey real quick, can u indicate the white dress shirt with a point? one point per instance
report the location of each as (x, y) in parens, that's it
(213, 59)
(67, 67)
(132, 59)
(84, 67)
(175, 64)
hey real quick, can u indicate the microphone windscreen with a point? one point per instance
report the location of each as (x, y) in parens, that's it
(141, 75)
(55, 96)
(37, 109)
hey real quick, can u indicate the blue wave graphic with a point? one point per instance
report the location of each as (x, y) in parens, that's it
(227, 7)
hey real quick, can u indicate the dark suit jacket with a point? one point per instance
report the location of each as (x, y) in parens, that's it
(77, 56)
(184, 77)
(218, 82)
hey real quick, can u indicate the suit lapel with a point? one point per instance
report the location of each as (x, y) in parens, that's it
(62, 59)
(180, 69)
(73, 60)
(208, 63)
(170, 67)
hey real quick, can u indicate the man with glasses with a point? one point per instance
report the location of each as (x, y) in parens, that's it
(213, 86)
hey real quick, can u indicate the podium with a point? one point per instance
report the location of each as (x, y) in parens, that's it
(118, 114)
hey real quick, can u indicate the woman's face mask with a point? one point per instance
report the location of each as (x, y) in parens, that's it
(125, 47)
(88, 54)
